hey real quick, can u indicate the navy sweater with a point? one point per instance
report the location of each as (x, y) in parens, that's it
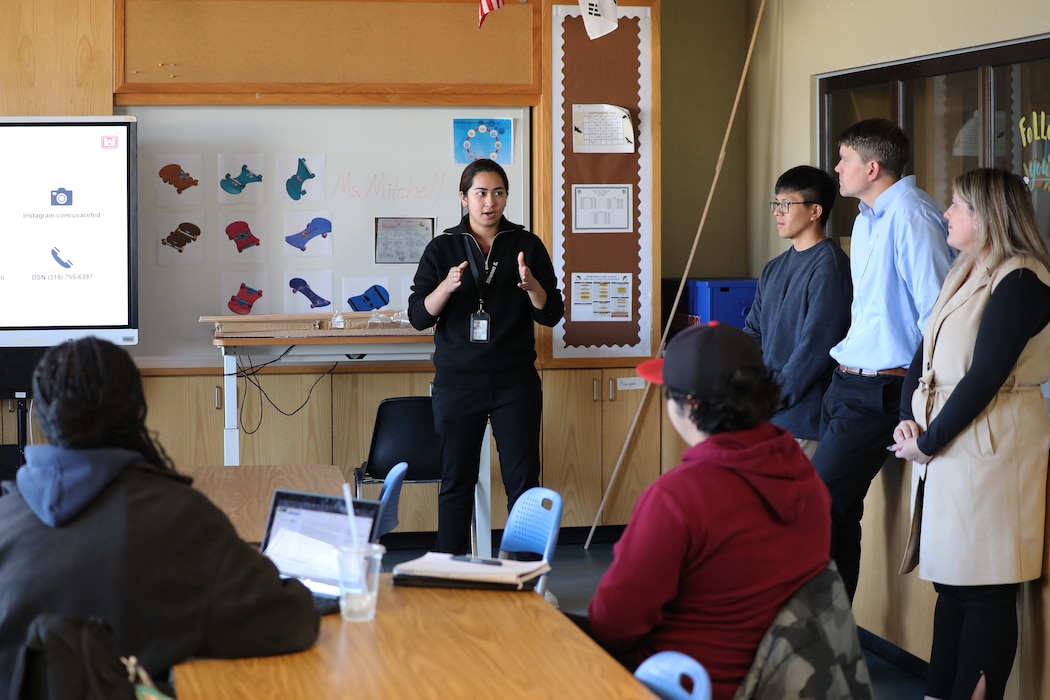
(801, 311)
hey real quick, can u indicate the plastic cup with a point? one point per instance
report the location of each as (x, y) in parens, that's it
(359, 567)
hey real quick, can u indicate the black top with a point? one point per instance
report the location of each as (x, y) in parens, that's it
(510, 355)
(155, 559)
(1018, 309)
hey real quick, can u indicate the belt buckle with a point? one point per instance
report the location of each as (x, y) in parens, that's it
(869, 372)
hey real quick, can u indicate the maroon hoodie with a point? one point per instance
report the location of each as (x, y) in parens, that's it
(713, 550)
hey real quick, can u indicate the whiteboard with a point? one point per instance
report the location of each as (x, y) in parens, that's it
(391, 169)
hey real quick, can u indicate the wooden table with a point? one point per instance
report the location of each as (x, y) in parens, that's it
(244, 493)
(428, 643)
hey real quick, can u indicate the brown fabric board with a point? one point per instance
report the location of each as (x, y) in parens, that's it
(605, 70)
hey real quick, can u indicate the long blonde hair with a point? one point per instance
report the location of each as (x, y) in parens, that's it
(1006, 225)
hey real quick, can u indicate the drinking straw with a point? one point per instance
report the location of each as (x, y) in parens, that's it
(350, 514)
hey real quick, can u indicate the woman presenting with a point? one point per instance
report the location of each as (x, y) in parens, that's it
(976, 427)
(484, 282)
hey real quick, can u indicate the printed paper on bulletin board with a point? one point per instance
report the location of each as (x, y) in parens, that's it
(615, 70)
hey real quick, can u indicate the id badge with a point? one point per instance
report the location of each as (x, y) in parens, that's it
(479, 327)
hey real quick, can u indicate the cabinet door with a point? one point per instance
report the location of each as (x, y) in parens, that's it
(623, 391)
(572, 442)
(8, 431)
(287, 419)
(671, 443)
(186, 415)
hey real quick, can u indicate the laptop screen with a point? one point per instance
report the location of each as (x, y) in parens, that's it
(304, 531)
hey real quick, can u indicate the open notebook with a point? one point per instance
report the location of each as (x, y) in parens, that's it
(449, 571)
(304, 531)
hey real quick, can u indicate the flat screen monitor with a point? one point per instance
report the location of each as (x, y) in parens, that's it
(68, 230)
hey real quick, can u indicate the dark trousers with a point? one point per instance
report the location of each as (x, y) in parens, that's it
(974, 633)
(459, 419)
(856, 426)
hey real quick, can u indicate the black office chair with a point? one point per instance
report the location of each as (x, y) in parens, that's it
(403, 432)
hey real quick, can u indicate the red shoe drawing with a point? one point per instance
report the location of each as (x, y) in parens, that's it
(174, 175)
(317, 227)
(184, 234)
(241, 303)
(241, 235)
(298, 284)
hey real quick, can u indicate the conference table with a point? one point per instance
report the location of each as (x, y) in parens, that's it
(428, 643)
(244, 493)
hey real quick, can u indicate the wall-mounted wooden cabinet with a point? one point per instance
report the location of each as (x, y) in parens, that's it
(587, 414)
(185, 413)
(336, 52)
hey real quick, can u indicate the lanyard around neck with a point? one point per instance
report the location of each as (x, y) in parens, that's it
(475, 269)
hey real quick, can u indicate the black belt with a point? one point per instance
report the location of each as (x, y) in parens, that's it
(893, 372)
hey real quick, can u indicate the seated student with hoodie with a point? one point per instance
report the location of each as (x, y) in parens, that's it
(716, 546)
(101, 525)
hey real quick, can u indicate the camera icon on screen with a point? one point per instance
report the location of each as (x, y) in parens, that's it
(61, 197)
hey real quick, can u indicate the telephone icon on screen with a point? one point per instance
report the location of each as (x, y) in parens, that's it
(56, 254)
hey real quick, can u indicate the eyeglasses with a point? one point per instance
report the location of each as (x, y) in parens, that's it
(784, 206)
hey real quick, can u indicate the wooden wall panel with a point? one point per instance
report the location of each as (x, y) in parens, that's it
(56, 57)
(329, 47)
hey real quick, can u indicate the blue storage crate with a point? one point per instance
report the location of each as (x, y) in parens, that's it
(722, 300)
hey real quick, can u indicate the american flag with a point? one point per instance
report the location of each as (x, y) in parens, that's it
(486, 7)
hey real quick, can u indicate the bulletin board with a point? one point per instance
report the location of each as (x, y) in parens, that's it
(263, 210)
(604, 194)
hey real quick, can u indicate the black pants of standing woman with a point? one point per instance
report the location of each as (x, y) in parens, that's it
(460, 415)
(974, 634)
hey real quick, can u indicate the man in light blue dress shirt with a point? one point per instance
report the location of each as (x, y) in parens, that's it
(898, 259)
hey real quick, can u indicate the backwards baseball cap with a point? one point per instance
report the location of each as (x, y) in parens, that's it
(700, 359)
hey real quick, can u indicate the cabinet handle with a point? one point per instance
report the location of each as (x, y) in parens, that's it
(218, 398)
(611, 396)
(594, 396)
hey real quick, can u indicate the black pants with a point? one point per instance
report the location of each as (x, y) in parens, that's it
(459, 419)
(974, 633)
(856, 426)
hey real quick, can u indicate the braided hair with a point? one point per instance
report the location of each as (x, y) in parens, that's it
(88, 393)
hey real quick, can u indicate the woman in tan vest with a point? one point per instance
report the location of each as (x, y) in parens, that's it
(977, 429)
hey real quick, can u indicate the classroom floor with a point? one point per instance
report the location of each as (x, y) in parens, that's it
(575, 575)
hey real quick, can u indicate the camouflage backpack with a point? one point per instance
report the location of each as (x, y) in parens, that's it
(812, 649)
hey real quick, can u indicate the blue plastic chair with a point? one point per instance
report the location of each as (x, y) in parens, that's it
(672, 675)
(390, 499)
(533, 526)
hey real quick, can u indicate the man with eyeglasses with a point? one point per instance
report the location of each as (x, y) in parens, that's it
(899, 257)
(802, 301)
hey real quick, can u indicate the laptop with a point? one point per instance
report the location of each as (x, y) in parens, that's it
(304, 531)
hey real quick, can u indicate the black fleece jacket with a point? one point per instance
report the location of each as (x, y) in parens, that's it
(510, 355)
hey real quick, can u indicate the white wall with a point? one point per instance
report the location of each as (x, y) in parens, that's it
(800, 39)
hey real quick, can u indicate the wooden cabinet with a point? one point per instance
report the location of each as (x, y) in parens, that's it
(411, 51)
(897, 608)
(587, 415)
(8, 432)
(185, 413)
(284, 418)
